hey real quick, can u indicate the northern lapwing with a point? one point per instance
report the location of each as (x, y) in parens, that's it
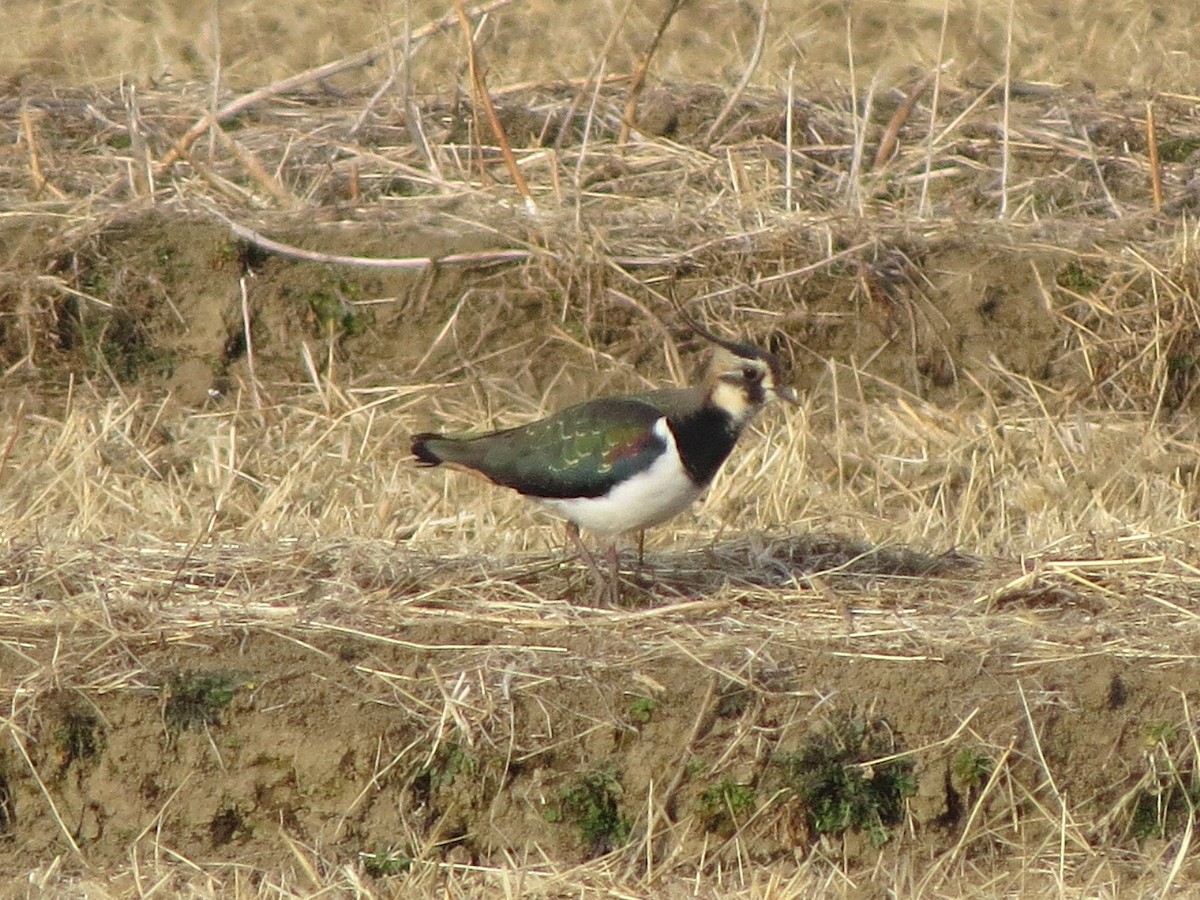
(622, 464)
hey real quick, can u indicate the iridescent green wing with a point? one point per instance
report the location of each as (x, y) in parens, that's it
(580, 452)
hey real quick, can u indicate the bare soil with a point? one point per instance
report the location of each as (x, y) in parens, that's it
(442, 731)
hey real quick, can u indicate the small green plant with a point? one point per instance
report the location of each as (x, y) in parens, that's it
(1164, 808)
(726, 805)
(79, 738)
(385, 863)
(1181, 363)
(116, 343)
(334, 313)
(641, 709)
(733, 700)
(448, 763)
(196, 700)
(226, 254)
(1169, 797)
(970, 769)
(1077, 279)
(839, 785)
(593, 805)
(1160, 734)
(1177, 149)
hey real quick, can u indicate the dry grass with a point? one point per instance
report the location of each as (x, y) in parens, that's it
(1076, 43)
(1016, 497)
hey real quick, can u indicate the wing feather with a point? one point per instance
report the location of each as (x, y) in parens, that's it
(580, 452)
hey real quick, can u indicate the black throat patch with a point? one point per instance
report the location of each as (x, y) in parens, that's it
(704, 438)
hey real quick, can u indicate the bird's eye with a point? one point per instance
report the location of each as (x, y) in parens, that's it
(751, 374)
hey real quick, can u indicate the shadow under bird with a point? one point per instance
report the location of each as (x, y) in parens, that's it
(621, 464)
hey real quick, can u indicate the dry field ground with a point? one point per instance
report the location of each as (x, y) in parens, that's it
(935, 633)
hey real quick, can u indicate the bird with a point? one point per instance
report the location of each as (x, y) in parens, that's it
(620, 464)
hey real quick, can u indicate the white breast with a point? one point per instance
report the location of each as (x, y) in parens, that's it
(648, 498)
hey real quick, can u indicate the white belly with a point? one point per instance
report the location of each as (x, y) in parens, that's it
(648, 498)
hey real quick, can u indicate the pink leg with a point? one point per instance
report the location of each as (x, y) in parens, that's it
(603, 590)
(615, 570)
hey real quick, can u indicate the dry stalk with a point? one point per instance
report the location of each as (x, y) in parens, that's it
(643, 851)
(1156, 191)
(41, 785)
(789, 169)
(479, 90)
(1005, 131)
(1064, 813)
(482, 258)
(639, 74)
(38, 178)
(760, 40)
(328, 70)
(272, 185)
(939, 66)
(591, 84)
(891, 134)
(255, 389)
(17, 422)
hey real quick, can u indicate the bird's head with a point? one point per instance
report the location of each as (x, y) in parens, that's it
(742, 379)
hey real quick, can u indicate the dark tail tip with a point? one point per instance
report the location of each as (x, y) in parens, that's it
(420, 449)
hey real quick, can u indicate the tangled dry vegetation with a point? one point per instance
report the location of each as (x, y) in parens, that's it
(934, 634)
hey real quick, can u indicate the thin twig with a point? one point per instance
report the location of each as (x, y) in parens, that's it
(891, 134)
(35, 159)
(142, 171)
(789, 160)
(639, 74)
(394, 70)
(18, 422)
(256, 169)
(593, 77)
(481, 258)
(760, 40)
(923, 204)
(300, 79)
(214, 98)
(1005, 155)
(1152, 147)
(55, 814)
(704, 714)
(1094, 162)
(479, 87)
(248, 337)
